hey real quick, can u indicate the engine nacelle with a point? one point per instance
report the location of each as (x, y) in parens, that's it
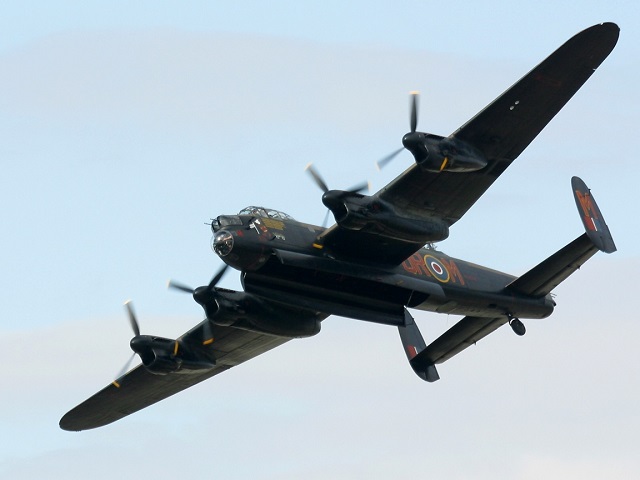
(354, 211)
(162, 356)
(247, 312)
(163, 364)
(437, 154)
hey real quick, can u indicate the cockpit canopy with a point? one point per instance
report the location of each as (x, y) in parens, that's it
(265, 213)
(229, 220)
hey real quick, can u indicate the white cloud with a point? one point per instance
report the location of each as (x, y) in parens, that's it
(343, 404)
(346, 403)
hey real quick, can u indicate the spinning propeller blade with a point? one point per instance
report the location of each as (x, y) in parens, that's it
(212, 284)
(132, 318)
(383, 161)
(135, 326)
(326, 219)
(179, 286)
(413, 125)
(218, 276)
(118, 381)
(358, 188)
(317, 178)
(414, 110)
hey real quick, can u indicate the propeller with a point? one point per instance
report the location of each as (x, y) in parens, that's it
(413, 125)
(212, 284)
(414, 110)
(135, 326)
(118, 381)
(200, 295)
(319, 181)
(133, 321)
(317, 178)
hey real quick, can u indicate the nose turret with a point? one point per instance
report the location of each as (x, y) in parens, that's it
(222, 243)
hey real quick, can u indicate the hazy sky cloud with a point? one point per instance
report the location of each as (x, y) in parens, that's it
(124, 129)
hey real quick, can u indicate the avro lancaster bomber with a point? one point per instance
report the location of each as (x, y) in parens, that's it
(377, 262)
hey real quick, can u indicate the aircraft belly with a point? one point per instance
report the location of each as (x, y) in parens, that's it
(330, 293)
(379, 296)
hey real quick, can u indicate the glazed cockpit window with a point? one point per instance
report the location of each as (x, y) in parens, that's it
(265, 213)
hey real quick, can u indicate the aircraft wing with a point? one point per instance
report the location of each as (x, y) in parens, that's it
(500, 132)
(139, 388)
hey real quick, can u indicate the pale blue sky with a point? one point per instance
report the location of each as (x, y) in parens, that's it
(125, 127)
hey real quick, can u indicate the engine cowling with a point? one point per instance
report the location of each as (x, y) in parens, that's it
(247, 312)
(437, 154)
(354, 211)
(162, 356)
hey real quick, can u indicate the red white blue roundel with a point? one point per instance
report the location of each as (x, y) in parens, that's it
(437, 269)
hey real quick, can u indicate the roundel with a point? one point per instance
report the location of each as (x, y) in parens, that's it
(437, 269)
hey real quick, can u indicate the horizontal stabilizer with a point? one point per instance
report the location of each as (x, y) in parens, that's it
(462, 335)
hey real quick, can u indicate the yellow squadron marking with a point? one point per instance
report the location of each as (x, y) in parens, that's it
(271, 223)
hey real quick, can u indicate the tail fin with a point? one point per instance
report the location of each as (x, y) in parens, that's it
(543, 278)
(592, 218)
(413, 344)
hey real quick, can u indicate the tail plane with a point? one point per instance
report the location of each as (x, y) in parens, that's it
(537, 282)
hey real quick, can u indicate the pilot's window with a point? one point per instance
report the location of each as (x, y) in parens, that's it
(256, 211)
(278, 215)
(226, 220)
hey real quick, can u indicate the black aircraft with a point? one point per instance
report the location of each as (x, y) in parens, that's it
(373, 264)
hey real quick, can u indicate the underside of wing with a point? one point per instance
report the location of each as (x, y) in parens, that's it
(140, 388)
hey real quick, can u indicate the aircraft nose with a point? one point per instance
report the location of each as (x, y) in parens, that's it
(222, 243)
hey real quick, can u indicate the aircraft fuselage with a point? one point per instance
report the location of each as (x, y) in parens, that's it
(281, 259)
